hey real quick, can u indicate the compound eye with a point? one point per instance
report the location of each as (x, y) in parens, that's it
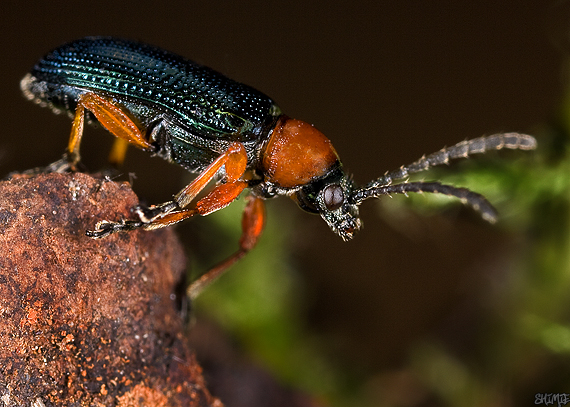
(333, 197)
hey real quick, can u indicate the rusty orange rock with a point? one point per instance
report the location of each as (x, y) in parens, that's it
(83, 321)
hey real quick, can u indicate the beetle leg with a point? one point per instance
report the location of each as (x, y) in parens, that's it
(71, 157)
(76, 134)
(118, 151)
(112, 118)
(252, 223)
(234, 159)
(166, 215)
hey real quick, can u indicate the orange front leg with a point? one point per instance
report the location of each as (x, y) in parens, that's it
(234, 159)
(218, 198)
(169, 213)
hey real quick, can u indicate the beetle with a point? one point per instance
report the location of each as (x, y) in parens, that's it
(223, 130)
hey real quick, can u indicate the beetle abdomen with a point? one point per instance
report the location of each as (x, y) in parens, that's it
(197, 98)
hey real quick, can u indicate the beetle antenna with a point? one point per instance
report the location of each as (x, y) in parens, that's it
(477, 201)
(385, 184)
(464, 149)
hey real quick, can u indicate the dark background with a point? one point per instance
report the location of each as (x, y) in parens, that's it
(386, 81)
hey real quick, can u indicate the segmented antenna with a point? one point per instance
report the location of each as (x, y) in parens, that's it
(385, 186)
(477, 201)
(464, 149)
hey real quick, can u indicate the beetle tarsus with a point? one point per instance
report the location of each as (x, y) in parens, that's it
(61, 166)
(106, 228)
(147, 218)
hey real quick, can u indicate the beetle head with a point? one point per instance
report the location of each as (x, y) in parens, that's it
(336, 198)
(298, 160)
(330, 198)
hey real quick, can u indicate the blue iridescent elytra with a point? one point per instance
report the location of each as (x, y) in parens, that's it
(193, 105)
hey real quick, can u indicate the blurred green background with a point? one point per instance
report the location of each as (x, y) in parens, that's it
(428, 305)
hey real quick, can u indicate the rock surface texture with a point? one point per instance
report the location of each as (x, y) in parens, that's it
(87, 322)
